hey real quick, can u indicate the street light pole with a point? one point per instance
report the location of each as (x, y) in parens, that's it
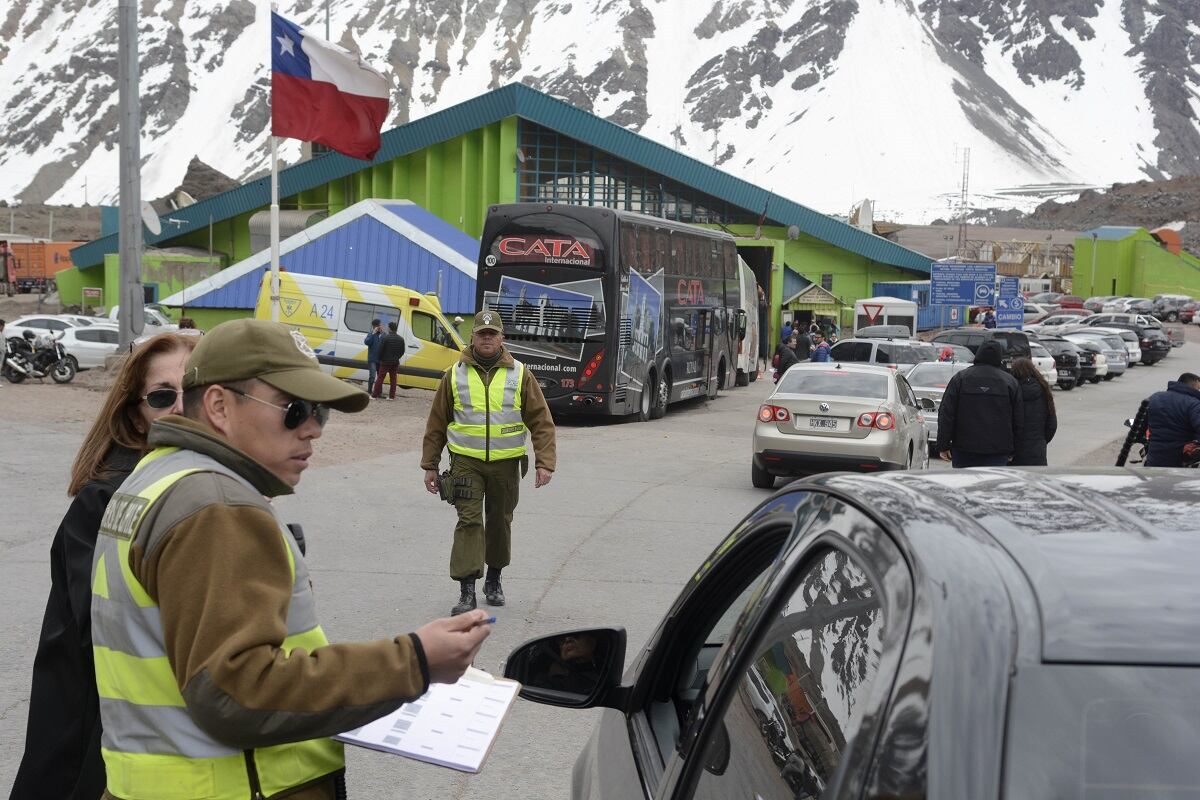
(1093, 289)
(129, 296)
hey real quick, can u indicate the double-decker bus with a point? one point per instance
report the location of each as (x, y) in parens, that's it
(616, 313)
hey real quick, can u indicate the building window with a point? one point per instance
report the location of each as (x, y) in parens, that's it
(560, 169)
(827, 281)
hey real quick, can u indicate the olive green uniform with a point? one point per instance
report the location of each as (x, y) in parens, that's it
(485, 507)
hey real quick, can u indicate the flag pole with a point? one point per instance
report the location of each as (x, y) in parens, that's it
(274, 229)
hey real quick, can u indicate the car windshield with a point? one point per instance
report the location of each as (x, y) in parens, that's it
(1115, 731)
(841, 383)
(934, 374)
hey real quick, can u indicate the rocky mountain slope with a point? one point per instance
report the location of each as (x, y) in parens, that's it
(825, 101)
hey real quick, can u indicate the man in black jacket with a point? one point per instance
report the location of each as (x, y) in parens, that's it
(1173, 418)
(391, 351)
(981, 414)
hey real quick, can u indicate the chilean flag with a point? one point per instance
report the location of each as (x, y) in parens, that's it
(321, 92)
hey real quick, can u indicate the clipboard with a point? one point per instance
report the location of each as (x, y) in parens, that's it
(452, 725)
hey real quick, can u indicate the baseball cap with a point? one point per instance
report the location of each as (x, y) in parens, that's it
(488, 320)
(275, 354)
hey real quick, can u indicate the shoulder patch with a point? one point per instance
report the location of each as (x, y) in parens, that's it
(122, 515)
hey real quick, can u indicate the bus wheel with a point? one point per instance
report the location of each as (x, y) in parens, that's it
(742, 378)
(662, 396)
(646, 401)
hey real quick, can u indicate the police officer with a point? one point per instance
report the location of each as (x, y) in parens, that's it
(481, 411)
(214, 674)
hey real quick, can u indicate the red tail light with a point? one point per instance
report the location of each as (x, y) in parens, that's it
(768, 413)
(880, 420)
(593, 365)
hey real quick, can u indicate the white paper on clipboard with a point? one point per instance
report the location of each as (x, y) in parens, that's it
(453, 724)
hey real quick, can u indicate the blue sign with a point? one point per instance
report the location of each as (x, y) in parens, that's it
(1010, 305)
(962, 284)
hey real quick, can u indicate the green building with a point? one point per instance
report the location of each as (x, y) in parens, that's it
(1114, 260)
(516, 144)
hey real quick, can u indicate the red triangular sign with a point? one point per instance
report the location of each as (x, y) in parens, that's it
(873, 311)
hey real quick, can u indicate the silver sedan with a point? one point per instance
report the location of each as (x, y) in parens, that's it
(839, 416)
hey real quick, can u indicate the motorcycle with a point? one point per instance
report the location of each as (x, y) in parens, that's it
(49, 358)
(1139, 436)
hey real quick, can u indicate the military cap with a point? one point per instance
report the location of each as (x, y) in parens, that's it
(488, 320)
(273, 353)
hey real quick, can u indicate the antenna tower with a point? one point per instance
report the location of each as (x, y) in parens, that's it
(962, 200)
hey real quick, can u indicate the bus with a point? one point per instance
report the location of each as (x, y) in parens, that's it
(615, 313)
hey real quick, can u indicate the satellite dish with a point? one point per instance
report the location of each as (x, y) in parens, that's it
(150, 219)
(183, 199)
(793, 232)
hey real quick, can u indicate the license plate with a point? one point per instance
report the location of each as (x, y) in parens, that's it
(1064, 373)
(823, 423)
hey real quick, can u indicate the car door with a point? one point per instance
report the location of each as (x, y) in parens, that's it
(912, 420)
(825, 634)
(92, 345)
(430, 352)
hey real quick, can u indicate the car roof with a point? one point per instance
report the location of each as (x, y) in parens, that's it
(1109, 553)
(849, 366)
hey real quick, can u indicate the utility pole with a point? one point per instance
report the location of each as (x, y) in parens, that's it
(327, 38)
(962, 201)
(1093, 287)
(130, 296)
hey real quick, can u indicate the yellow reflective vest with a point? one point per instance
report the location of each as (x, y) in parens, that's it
(152, 748)
(487, 422)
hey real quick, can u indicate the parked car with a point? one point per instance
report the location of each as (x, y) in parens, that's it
(995, 633)
(1144, 320)
(1154, 344)
(1043, 361)
(928, 382)
(1187, 312)
(1055, 321)
(892, 352)
(958, 352)
(1034, 312)
(1111, 345)
(1096, 304)
(87, 347)
(1124, 305)
(1099, 361)
(1066, 361)
(1132, 348)
(823, 417)
(1015, 343)
(155, 317)
(1045, 297)
(1070, 301)
(1167, 306)
(42, 324)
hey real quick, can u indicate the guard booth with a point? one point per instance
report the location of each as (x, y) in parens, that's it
(885, 311)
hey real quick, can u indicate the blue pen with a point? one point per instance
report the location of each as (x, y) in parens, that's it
(487, 621)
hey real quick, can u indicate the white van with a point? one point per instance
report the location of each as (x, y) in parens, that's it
(885, 311)
(335, 317)
(747, 352)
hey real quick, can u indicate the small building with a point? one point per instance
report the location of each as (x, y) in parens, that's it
(516, 144)
(392, 242)
(1126, 260)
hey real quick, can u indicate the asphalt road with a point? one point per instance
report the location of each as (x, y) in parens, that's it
(633, 509)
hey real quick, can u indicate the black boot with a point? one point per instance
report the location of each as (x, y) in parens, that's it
(493, 592)
(466, 600)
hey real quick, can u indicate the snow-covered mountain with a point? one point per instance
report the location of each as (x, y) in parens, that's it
(824, 101)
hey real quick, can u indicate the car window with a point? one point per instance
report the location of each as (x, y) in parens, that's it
(833, 382)
(885, 354)
(359, 315)
(906, 393)
(851, 351)
(799, 702)
(427, 327)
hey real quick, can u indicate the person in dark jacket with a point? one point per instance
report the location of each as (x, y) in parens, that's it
(62, 740)
(787, 355)
(372, 341)
(981, 414)
(1040, 421)
(391, 352)
(989, 319)
(1173, 419)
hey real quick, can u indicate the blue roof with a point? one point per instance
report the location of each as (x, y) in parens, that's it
(392, 243)
(519, 100)
(1111, 233)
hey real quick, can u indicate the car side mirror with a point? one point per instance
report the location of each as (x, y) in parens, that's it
(574, 669)
(716, 756)
(927, 404)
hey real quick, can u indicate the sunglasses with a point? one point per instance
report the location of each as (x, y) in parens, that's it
(161, 398)
(296, 413)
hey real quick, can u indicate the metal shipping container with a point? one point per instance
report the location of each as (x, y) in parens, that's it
(36, 262)
(928, 317)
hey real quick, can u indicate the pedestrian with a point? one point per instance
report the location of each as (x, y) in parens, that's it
(1039, 419)
(989, 319)
(786, 355)
(1173, 418)
(62, 739)
(947, 354)
(3, 351)
(481, 412)
(391, 353)
(802, 344)
(787, 330)
(218, 679)
(980, 418)
(372, 341)
(187, 324)
(820, 351)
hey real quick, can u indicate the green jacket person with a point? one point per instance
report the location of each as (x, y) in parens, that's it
(214, 674)
(481, 412)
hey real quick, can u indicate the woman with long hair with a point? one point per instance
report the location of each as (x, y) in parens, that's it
(62, 739)
(1040, 420)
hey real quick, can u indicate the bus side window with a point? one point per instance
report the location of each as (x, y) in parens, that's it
(662, 245)
(645, 250)
(629, 247)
